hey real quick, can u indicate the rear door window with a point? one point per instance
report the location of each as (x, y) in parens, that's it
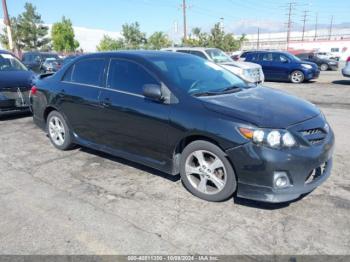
(88, 72)
(267, 57)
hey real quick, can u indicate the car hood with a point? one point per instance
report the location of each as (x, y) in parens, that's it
(263, 107)
(243, 65)
(16, 79)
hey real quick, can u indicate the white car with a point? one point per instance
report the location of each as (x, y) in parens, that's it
(249, 72)
(346, 69)
(327, 55)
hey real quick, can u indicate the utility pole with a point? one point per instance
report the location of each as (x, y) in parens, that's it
(304, 23)
(316, 26)
(8, 24)
(331, 28)
(184, 9)
(222, 24)
(258, 42)
(291, 5)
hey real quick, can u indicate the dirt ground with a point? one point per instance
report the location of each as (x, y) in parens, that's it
(85, 202)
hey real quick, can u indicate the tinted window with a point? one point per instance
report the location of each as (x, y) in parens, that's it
(128, 76)
(89, 71)
(198, 53)
(184, 51)
(280, 58)
(267, 57)
(252, 57)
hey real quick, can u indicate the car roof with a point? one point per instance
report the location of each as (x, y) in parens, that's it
(188, 48)
(136, 54)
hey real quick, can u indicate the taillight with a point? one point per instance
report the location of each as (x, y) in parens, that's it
(33, 90)
(348, 60)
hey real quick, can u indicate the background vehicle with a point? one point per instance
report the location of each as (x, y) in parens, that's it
(327, 55)
(346, 69)
(283, 66)
(34, 60)
(15, 83)
(250, 72)
(182, 114)
(323, 63)
(51, 65)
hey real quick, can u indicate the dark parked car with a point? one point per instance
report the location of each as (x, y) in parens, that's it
(15, 84)
(35, 60)
(323, 63)
(182, 114)
(52, 65)
(283, 66)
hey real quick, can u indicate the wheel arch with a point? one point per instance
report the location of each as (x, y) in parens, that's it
(186, 140)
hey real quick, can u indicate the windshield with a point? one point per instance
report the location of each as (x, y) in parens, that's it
(197, 76)
(218, 56)
(10, 63)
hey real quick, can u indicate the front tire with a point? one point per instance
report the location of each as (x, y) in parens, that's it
(58, 131)
(206, 172)
(297, 77)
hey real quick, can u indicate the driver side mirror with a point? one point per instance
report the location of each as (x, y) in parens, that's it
(153, 92)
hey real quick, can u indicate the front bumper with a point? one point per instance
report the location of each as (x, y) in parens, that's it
(13, 100)
(346, 72)
(256, 165)
(312, 74)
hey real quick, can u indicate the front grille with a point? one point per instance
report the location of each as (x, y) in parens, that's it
(314, 136)
(316, 173)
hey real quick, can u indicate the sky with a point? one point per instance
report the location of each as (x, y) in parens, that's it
(161, 15)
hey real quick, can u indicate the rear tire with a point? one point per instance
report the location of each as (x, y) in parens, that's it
(324, 67)
(297, 77)
(58, 131)
(206, 172)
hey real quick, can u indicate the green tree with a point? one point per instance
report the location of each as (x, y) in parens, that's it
(16, 41)
(31, 33)
(110, 44)
(216, 37)
(63, 38)
(133, 37)
(198, 38)
(158, 40)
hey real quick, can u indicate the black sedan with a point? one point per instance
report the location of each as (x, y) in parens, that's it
(323, 63)
(15, 84)
(182, 114)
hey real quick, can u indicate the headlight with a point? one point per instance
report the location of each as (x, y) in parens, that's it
(268, 137)
(307, 66)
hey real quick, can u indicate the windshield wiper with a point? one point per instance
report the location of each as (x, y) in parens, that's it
(231, 89)
(205, 94)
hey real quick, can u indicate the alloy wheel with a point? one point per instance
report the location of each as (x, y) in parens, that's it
(297, 77)
(206, 172)
(57, 131)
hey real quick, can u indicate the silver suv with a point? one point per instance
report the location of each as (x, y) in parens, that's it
(250, 72)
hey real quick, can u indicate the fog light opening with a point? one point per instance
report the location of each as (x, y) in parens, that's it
(281, 180)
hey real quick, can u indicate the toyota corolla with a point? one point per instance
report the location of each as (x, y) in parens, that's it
(184, 115)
